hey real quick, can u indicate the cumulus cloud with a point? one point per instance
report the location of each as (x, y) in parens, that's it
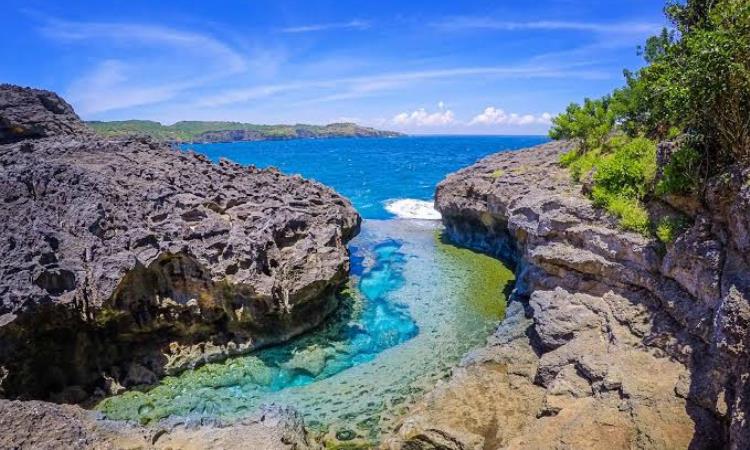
(496, 116)
(422, 118)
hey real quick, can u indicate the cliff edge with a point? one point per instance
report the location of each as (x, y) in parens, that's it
(611, 340)
(125, 260)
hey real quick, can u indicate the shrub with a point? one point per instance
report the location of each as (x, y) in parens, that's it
(682, 174)
(631, 213)
(701, 82)
(670, 228)
(630, 170)
(588, 124)
(696, 84)
(580, 164)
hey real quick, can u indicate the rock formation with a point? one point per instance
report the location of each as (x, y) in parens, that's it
(124, 260)
(611, 340)
(48, 426)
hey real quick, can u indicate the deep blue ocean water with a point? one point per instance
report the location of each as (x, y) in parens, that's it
(370, 172)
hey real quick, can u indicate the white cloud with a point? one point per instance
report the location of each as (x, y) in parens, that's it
(422, 118)
(125, 79)
(107, 87)
(468, 23)
(351, 25)
(495, 116)
(356, 87)
(138, 34)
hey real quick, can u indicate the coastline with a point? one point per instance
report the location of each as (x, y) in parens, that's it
(595, 313)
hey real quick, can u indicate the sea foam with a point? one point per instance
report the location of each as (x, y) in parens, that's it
(409, 208)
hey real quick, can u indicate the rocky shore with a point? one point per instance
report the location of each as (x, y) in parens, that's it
(611, 340)
(124, 260)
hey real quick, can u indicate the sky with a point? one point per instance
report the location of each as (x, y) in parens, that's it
(421, 67)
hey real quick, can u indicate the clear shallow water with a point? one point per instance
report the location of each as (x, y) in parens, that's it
(370, 172)
(415, 305)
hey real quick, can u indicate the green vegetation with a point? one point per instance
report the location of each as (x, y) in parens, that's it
(200, 131)
(694, 91)
(589, 124)
(681, 175)
(669, 228)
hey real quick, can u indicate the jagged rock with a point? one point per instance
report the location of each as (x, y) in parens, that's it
(624, 346)
(40, 426)
(33, 113)
(129, 250)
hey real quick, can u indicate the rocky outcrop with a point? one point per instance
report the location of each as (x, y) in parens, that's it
(124, 260)
(41, 425)
(33, 113)
(611, 340)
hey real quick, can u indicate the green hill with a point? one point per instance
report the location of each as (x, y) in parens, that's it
(202, 131)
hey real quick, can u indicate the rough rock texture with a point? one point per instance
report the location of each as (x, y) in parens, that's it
(41, 425)
(121, 261)
(33, 113)
(610, 340)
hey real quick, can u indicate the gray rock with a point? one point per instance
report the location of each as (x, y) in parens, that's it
(34, 113)
(629, 346)
(122, 250)
(41, 425)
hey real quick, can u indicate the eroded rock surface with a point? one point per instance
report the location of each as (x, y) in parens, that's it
(122, 261)
(42, 425)
(610, 341)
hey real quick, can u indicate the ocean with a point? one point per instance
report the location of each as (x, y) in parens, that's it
(383, 178)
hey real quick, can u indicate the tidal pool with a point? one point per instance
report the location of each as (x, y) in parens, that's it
(414, 307)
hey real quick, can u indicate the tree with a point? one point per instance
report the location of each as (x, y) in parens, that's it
(589, 124)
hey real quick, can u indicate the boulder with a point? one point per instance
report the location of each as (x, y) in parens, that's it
(127, 251)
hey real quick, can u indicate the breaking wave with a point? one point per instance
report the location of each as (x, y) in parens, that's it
(409, 208)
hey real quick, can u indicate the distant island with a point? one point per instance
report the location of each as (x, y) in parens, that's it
(207, 131)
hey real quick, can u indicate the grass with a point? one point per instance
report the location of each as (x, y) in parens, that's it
(623, 175)
(670, 228)
(631, 213)
(580, 164)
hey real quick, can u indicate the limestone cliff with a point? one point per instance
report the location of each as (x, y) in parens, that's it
(124, 260)
(611, 340)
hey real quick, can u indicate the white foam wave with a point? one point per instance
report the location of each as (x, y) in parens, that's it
(410, 208)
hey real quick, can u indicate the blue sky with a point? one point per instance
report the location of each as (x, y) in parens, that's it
(424, 67)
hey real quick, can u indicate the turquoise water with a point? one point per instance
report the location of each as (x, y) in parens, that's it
(370, 172)
(414, 305)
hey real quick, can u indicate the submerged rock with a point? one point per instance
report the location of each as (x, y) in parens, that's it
(610, 341)
(124, 260)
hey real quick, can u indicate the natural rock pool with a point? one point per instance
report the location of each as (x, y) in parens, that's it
(414, 306)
